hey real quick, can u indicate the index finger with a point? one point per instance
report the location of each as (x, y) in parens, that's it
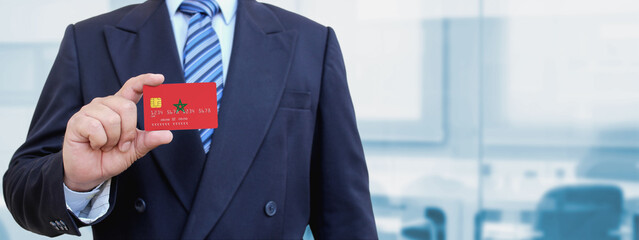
(132, 89)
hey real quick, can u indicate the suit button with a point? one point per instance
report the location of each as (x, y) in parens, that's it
(140, 205)
(270, 208)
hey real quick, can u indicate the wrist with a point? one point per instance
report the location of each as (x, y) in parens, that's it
(81, 187)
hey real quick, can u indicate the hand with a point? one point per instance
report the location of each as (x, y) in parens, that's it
(101, 140)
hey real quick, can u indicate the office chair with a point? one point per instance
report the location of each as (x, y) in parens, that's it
(434, 228)
(588, 212)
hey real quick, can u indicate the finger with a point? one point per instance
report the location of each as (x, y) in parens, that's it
(128, 119)
(147, 141)
(109, 119)
(87, 129)
(132, 89)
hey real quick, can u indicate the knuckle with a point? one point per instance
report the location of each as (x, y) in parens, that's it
(127, 137)
(129, 106)
(84, 108)
(113, 119)
(72, 121)
(76, 115)
(96, 100)
(94, 125)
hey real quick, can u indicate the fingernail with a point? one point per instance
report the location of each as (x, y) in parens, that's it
(125, 146)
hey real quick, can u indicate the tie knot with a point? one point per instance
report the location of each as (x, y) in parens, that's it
(206, 7)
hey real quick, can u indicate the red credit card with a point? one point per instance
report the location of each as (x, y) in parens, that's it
(180, 106)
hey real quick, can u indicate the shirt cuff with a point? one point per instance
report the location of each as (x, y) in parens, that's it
(88, 206)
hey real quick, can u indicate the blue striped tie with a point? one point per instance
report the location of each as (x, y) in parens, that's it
(202, 53)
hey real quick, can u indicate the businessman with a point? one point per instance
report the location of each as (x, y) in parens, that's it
(286, 153)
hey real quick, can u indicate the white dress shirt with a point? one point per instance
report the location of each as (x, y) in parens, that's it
(89, 206)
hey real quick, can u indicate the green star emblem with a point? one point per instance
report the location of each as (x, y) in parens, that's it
(180, 106)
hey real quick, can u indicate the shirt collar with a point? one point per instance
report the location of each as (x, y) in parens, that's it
(228, 8)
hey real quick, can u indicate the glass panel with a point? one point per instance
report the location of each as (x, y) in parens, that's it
(396, 82)
(561, 136)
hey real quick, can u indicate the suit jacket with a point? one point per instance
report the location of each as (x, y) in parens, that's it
(287, 152)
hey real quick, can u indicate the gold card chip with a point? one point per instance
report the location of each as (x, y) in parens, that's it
(156, 102)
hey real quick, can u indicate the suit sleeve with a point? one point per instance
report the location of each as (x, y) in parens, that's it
(33, 183)
(340, 198)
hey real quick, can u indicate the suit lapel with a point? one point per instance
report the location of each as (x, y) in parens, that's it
(143, 42)
(260, 61)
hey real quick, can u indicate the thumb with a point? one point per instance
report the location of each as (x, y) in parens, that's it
(132, 88)
(147, 141)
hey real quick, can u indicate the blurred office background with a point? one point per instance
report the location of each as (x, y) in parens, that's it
(481, 119)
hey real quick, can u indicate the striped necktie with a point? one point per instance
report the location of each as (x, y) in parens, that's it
(202, 52)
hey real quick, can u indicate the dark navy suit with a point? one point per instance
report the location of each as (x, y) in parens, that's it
(287, 152)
